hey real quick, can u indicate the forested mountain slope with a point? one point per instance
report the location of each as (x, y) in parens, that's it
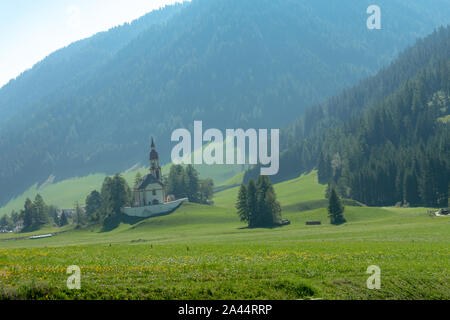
(387, 140)
(92, 106)
(61, 73)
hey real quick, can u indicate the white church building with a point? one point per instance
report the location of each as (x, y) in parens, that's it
(150, 196)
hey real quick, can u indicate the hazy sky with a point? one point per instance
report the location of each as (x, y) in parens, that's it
(30, 30)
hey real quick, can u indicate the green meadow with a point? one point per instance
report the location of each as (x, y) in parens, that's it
(205, 252)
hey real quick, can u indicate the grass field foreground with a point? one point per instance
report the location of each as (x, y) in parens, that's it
(205, 252)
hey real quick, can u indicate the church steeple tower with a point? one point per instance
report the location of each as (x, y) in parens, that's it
(155, 169)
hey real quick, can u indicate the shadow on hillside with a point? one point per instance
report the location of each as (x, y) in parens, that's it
(306, 206)
(113, 221)
(275, 226)
(317, 204)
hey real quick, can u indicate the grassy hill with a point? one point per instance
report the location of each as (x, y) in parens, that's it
(303, 189)
(205, 252)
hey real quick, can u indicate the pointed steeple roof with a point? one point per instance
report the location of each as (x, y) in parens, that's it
(153, 153)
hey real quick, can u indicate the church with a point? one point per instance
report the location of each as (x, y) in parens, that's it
(150, 196)
(151, 190)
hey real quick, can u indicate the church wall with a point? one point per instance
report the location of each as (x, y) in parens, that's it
(149, 197)
(153, 210)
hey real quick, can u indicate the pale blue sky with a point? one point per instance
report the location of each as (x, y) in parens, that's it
(30, 30)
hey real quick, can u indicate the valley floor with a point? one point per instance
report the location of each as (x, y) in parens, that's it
(204, 252)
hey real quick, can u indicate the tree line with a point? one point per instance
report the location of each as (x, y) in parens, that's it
(34, 215)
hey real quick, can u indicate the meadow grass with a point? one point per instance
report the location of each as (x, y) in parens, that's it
(205, 252)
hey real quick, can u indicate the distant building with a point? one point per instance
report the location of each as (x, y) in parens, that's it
(150, 196)
(18, 227)
(151, 190)
(70, 213)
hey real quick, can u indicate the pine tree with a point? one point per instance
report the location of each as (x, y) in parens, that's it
(120, 194)
(192, 183)
(448, 195)
(242, 204)
(272, 206)
(41, 211)
(79, 217)
(52, 212)
(5, 222)
(28, 215)
(264, 186)
(410, 189)
(324, 168)
(206, 190)
(106, 193)
(177, 182)
(15, 217)
(252, 203)
(63, 220)
(335, 208)
(93, 204)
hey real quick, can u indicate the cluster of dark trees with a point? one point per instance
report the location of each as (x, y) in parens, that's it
(385, 141)
(184, 182)
(33, 216)
(257, 204)
(256, 64)
(115, 194)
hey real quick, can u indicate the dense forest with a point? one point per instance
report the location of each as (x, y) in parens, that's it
(91, 107)
(387, 140)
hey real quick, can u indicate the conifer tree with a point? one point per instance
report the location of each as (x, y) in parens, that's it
(177, 181)
(28, 217)
(63, 220)
(206, 190)
(79, 217)
(5, 222)
(40, 211)
(264, 186)
(335, 208)
(93, 204)
(252, 203)
(192, 184)
(106, 194)
(120, 194)
(242, 204)
(273, 207)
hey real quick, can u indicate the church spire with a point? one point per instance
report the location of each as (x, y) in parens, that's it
(155, 169)
(153, 153)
